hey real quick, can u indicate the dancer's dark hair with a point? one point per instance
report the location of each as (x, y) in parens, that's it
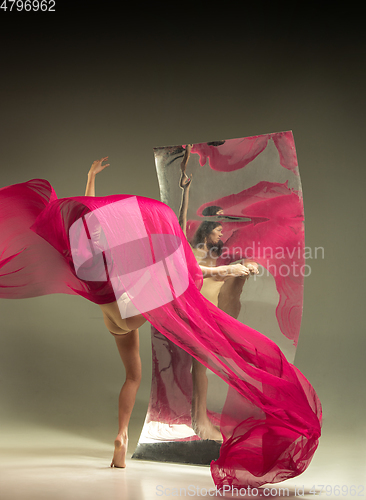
(203, 232)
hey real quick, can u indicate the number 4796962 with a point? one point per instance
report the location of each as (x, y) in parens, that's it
(29, 5)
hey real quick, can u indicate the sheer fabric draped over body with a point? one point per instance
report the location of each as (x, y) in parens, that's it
(279, 437)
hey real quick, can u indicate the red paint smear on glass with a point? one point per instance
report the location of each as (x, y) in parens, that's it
(274, 238)
(235, 154)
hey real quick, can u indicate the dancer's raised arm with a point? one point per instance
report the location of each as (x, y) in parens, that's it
(94, 170)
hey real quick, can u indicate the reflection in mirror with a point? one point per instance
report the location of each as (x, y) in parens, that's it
(239, 203)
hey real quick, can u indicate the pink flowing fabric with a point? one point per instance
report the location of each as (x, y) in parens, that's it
(278, 439)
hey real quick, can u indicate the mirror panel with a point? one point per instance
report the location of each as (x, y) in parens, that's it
(250, 190)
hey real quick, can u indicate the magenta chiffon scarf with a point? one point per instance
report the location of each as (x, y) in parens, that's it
(279, 436)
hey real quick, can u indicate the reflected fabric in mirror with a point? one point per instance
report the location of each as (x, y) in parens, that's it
(239, 203)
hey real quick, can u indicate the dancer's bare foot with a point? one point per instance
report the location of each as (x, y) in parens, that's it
(120, 451)
(205, 429)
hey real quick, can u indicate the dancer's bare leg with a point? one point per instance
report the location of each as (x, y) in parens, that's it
(229, 296)
(127, 339)
(128, 348)
(229, 302)
(201, 424)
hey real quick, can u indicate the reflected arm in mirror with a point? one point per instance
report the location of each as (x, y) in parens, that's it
(230, 271)
(184, 183)
(252, 265)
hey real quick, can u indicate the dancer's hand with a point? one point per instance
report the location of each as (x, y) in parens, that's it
(185, 180)
(97, 166)
(251, 265)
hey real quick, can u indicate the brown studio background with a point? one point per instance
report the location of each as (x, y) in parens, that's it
(72, 95)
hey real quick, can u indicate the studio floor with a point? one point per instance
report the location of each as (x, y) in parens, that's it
(41, 463)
